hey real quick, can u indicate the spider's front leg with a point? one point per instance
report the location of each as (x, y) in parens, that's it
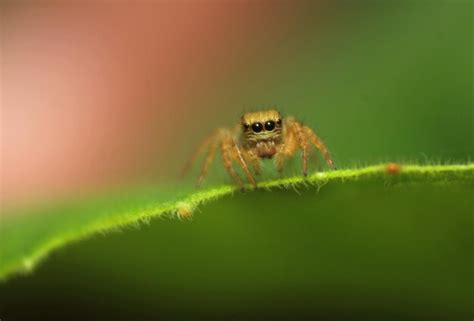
(230, 151)
(286, 149)
(211, 153)
(300, 136)
(210, 143)
(253, 159)
(280, 158)
(303, 143)
(293, 138)
(318, 143)
(198, 151)
(237, 153)
(226, 151)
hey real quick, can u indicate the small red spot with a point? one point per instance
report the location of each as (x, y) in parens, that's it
(393, 168)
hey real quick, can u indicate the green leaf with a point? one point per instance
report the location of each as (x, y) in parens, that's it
(31, 237)
(356, 242)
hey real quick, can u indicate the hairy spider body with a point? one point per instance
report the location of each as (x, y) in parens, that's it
(259, 135)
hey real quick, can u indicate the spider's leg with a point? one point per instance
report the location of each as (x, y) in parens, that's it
(250, 157)
(313, 158)
(287, 149)
(211, 153)
(318, 143)
(226, 146)
(280, 158)
(303, 143)
(201, 147)
(238, 156)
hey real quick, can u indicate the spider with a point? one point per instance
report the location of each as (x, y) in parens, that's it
(259, 135)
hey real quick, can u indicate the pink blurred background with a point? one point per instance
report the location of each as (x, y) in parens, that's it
(105, 93)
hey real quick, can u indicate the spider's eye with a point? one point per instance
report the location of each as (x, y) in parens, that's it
(270, 125)
(246, 126)
(279, 121)
(257, 127)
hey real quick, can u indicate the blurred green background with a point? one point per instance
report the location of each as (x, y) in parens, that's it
(390, 76)
(378, 81)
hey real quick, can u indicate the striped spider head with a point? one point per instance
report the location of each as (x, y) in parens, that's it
(262, 126)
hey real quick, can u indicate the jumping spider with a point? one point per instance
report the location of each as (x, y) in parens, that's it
(259, 135)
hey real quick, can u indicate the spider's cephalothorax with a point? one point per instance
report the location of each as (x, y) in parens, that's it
(262, 132)
(259, 135)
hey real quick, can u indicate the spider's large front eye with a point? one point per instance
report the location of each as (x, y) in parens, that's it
(270, 125)
(257, 127)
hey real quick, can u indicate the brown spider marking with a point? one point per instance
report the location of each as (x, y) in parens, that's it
(259, 135)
